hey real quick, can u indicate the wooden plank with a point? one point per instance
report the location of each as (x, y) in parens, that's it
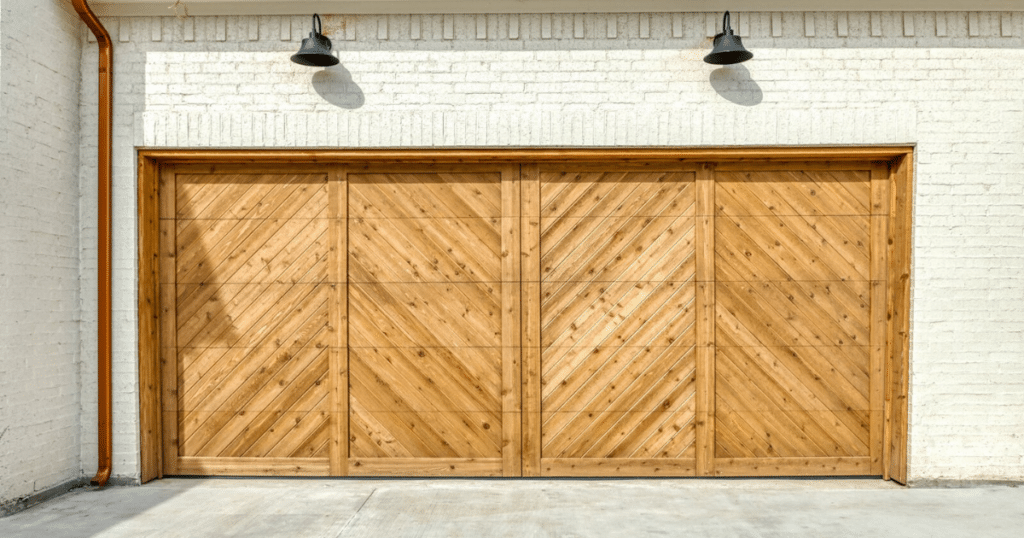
(167, 193)
(168, 322)
(530, 248)
(446, 156)
(149, 321)
(705, 320)
(426, 467)
(880, 188)
(618, 467)
(898, 310)
(795, 165)
(511, 323)
(338, 307)
(621, 166)
(828, 466)
(879, 292)
(206, 466)
(270, 168)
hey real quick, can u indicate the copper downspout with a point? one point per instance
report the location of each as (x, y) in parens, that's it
(106, 75)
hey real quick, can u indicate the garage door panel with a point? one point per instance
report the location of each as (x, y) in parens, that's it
(427, 435)
(794, 313)
(830, 373)
(631, 379)
(290, 386)
(617, 320)
(281, 434)
(663, 433)
(432, 300)
(615, 314)
(433, 315)
(260, 313)
(788, 248)
(229, 432)
(425, 195)
(793, 267)
(800, 388)
(425, 250)
(248, 378)
(258, 252)
(574, 194)
(250, 196)
(619, 249)
(793, 192)
(766, 431)
(424, 377)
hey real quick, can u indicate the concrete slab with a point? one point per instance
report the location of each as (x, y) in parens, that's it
(555, 508)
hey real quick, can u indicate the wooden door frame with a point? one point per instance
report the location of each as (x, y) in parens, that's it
(900, 166)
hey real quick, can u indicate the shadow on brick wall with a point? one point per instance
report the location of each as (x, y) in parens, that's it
(734, 83)
(336, 86)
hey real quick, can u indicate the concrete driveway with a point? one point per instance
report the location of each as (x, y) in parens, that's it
(556, 508)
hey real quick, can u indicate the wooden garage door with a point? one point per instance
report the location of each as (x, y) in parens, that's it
(555, 319)
(434, 316)
(613, 371)
(246, 309)
(799, 254)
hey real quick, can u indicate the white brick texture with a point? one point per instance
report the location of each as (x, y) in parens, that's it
(947, 82)
(40, 309)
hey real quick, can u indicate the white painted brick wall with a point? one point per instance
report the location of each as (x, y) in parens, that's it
(947, 82)
(39, 247)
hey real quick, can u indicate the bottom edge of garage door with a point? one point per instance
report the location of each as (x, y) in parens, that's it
(553, 467)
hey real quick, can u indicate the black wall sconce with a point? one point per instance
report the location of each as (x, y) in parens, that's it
(728, 47)
(316, 49)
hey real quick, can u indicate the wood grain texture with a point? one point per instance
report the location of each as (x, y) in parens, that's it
(433, 300)
(253, 466)
(617, 467)
(705, 322)
(794, 292)
(167, 246)
(422, 467)
(898, 308)
(511, 323)
(338, 384)
(793, 466)
(252, 316)
(617, 315)
(531, 311)
(879, 303)
(150, 434)
(679, 155)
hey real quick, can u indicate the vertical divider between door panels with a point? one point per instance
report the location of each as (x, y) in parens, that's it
(877, 332)
(511, 301)
(531, 296)
(168, 320)
(337, 190)
(705, 319)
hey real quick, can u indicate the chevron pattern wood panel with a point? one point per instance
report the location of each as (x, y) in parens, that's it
(794, 321)
(251, 309)
(427, 304)
(617, 321)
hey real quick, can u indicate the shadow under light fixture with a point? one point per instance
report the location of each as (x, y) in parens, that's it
(728, 47)
(316, 49)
